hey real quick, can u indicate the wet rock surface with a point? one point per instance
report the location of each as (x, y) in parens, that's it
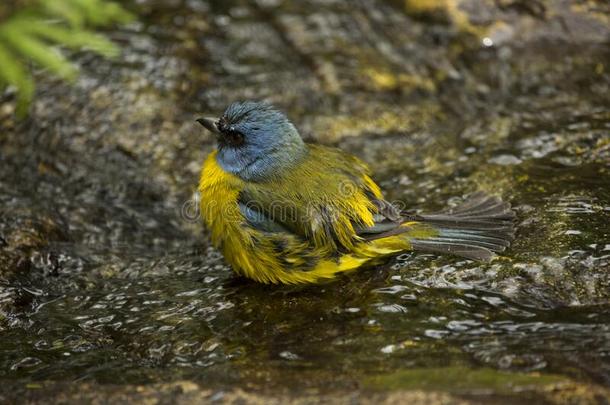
(106, 275)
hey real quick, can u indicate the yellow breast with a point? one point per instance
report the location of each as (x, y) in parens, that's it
(219, 191)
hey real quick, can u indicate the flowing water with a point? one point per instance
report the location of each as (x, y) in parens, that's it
(108, 276)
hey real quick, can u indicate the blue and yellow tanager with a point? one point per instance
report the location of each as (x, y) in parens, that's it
(287, 212)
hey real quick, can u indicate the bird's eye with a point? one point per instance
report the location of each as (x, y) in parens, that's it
(233, 136)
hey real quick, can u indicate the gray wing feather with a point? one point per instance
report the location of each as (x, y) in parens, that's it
(260, 221)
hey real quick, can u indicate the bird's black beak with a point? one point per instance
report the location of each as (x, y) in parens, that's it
(209, 124)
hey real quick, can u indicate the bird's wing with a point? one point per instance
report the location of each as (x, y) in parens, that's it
(328, 199)
(259, 221)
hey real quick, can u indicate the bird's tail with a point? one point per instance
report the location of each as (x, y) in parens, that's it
(476, 229)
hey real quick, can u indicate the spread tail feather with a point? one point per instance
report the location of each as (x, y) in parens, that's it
(476, 229)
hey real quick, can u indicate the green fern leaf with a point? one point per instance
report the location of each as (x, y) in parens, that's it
(63, 10)
(35, 31)
(98, 12)
(13, 73)
(32, 48)
(74, 38)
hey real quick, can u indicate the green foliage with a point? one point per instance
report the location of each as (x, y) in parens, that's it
(33, 33)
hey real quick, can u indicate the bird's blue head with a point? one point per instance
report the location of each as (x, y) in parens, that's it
(255, 141)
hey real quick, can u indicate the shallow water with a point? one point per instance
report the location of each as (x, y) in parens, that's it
(111, 282)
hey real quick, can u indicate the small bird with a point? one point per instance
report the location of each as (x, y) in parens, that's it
(283, 211)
